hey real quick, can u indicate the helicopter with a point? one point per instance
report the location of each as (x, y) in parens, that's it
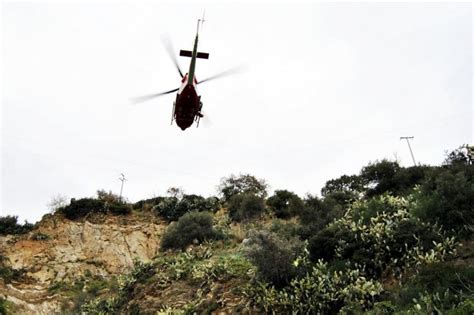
(187, 107)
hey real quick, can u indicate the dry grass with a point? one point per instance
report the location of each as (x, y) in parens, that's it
(238, 231)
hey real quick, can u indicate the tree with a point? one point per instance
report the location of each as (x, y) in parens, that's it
(457, 156)
(176, 192)
(274, 256)
(244, 183)
(285, 204)
(9, 225)
(57, 202)
(172, 208)
(245, 206)
(379, 177)
(193, 226)
(345, 183)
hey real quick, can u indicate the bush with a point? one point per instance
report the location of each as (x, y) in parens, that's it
(191, 227)
(119, 208)
(274, 256)
(245, 206)
(284, 229)
(172, 208)
(285, 204)
(438, 278)
(107, 202)
(320, 291)
(352, 185)
(387, 243)
(9, 225)
(242, 184)
(148, 203)
(108, 197)
(82, 207)
(317, 213)
(447, 197)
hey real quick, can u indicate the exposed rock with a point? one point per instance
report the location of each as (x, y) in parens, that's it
(106, 247)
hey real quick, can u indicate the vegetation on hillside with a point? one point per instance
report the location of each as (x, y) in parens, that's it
(389, 240)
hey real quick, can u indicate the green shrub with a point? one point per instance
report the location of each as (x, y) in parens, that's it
(172, 208)
(317, 213)
(447, 197)
(285, 204)
(119, 208)
(245, 206)
(388, 242)
(9, 225)
(284, 229)
(274, 256)
(320, 291)
(437, 278)
(242, 184)
(193, 226)
(351, 185)
(148, 203)
(82, 207)
(108, 197)
(5, 307)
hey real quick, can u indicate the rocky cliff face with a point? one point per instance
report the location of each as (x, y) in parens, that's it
(59, 250)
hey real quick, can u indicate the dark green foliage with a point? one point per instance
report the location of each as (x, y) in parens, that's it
(363, 251)
(274, 256)
(317, 213)
(9, 225)
(106, 203)
(458, 156)
(447, 197)
(352, 185)
(285, 204)
(323, 244)
(191, 227)
(148, 203)
(82, 207)
(437, 279)
(245, 206)
(284, 229)
(389, 177)
(119, 208)
(242, 184)
(108, 197)
(379, 177)
(3, 306)
(172, 208)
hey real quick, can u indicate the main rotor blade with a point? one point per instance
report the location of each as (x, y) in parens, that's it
(169, 48)
(144, 98)
(231, 71)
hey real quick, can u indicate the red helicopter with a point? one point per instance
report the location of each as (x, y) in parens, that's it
(187, 106)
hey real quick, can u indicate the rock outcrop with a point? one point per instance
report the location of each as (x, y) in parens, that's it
(59, 250)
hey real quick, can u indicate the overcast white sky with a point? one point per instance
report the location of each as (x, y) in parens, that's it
(328, 88)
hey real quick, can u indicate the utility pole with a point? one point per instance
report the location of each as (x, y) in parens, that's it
(122, 178)
(408, 142)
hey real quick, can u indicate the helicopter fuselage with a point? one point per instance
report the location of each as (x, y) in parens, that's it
(187, 106)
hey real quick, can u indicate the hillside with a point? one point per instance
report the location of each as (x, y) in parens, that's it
(389, 240)
(59, 252)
